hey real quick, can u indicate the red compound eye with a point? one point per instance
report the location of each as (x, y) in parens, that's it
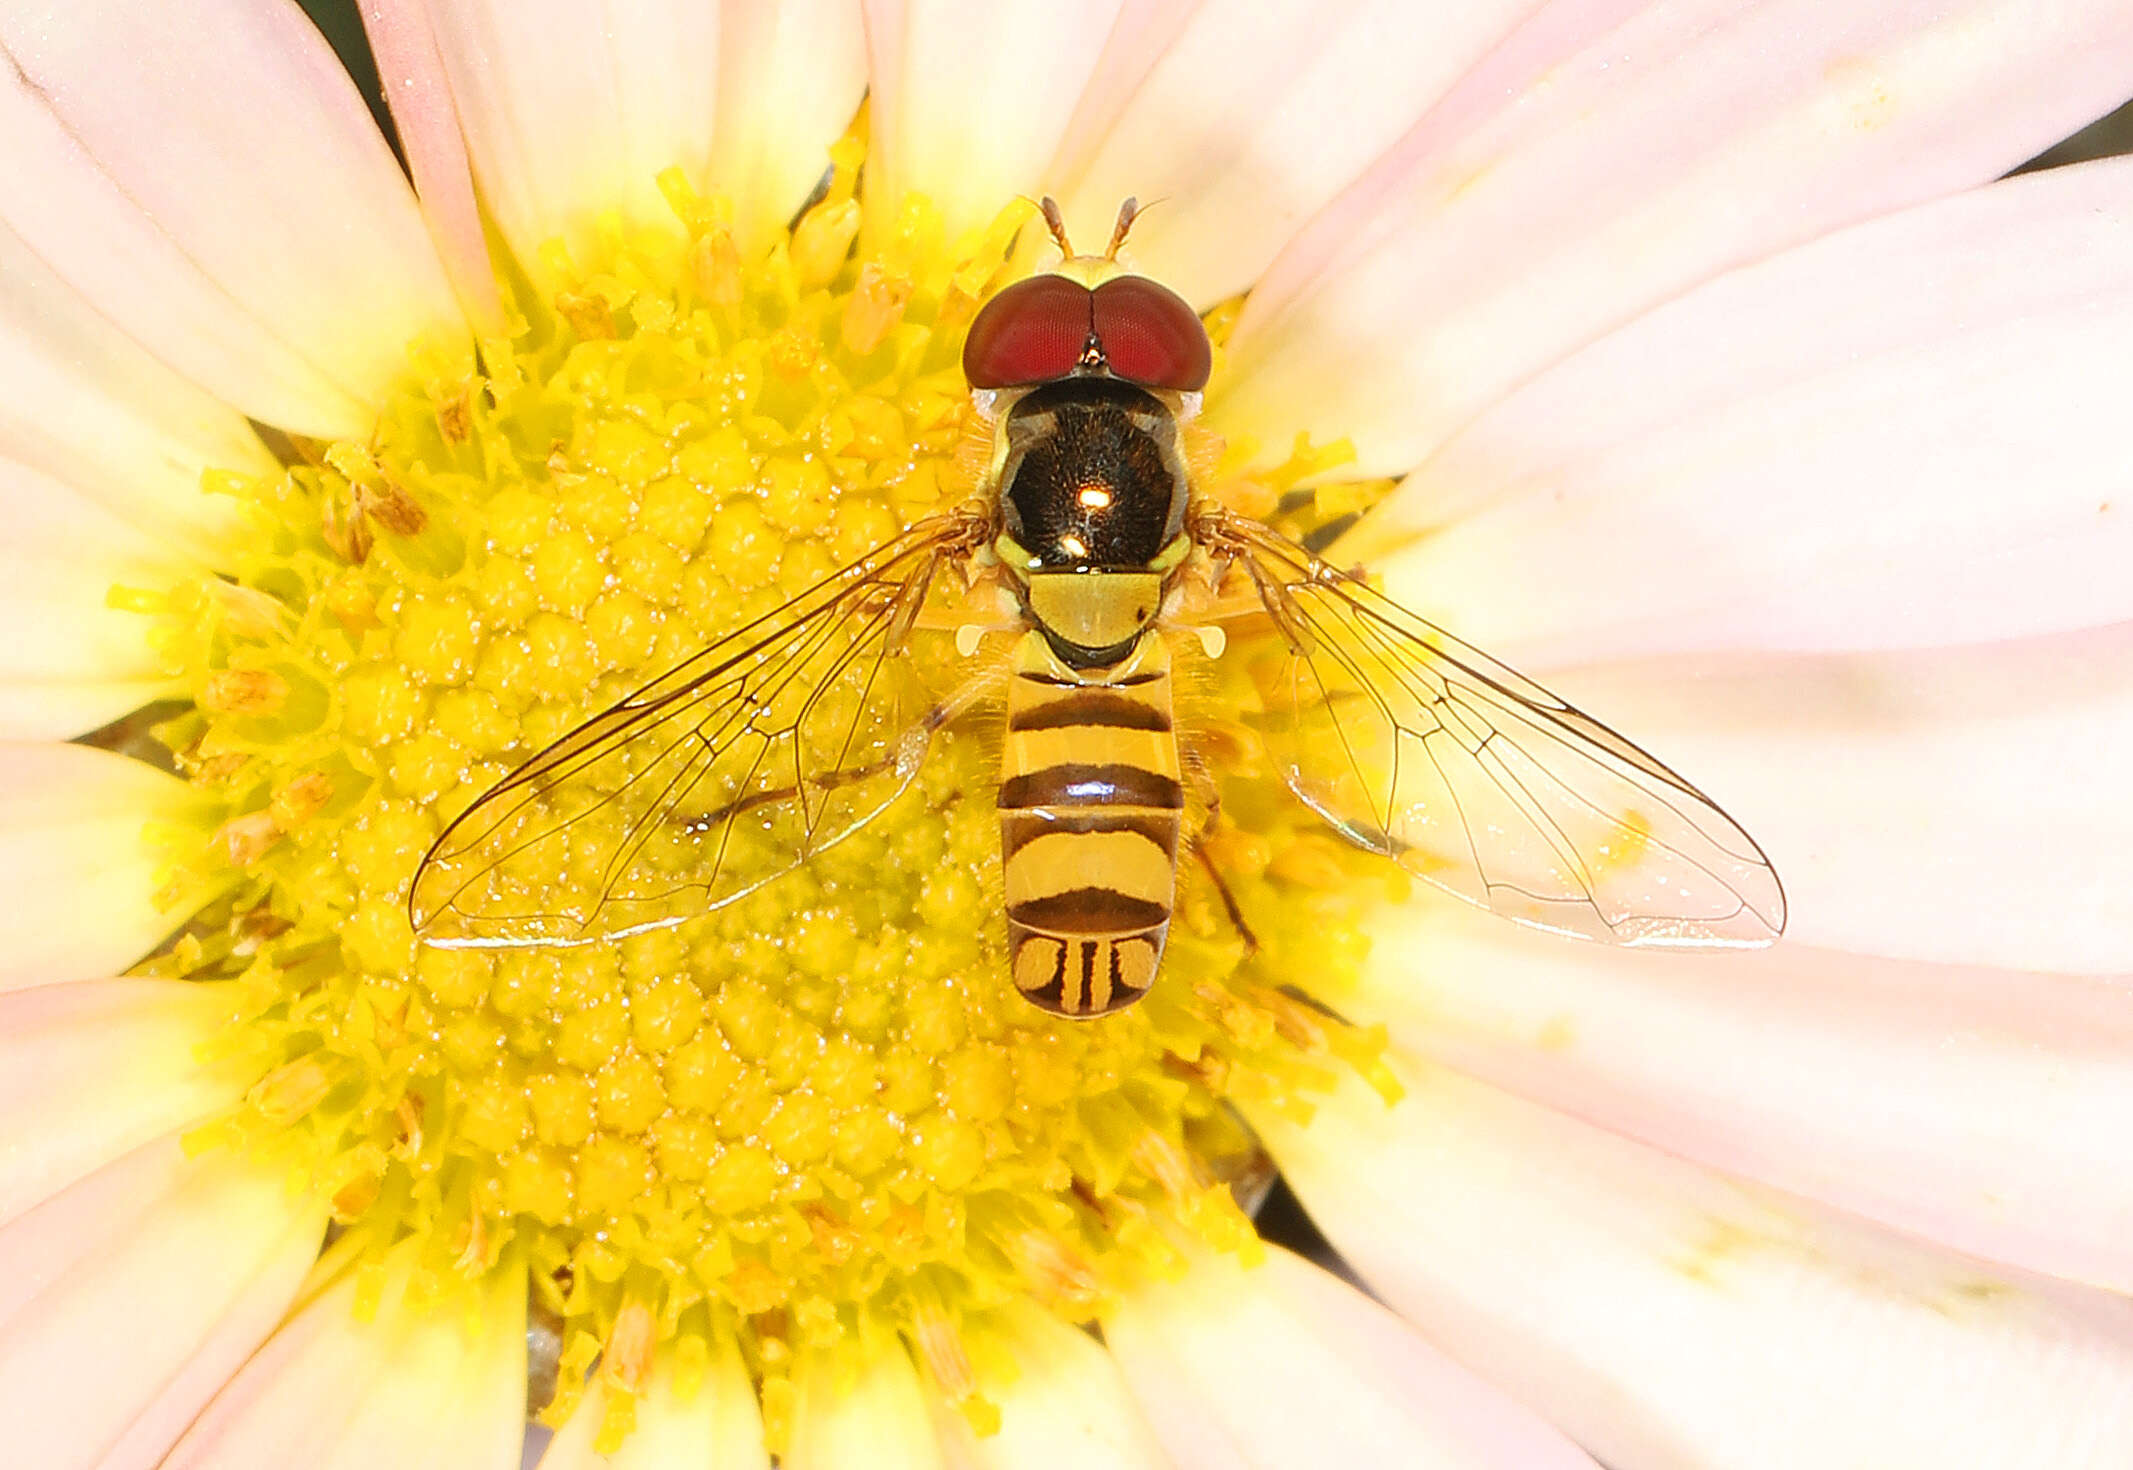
(1032, 332)
(1151, 336)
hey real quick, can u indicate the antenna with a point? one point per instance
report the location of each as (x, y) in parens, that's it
(1056, 223)
(1127, 214)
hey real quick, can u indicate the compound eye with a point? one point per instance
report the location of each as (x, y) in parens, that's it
(1032, 332)
(1151, 336)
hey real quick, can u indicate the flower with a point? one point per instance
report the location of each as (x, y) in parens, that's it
(1721, 387)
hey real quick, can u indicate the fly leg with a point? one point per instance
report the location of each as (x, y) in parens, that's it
(1207, 790)
(1229, 900)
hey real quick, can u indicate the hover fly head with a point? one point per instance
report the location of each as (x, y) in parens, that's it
(1088, 316)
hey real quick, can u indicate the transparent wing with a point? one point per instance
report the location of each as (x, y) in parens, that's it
(723, 773)
(1411, 743)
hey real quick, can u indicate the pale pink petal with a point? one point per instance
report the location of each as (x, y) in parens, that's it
(719, 1424)
(84, 403)
(76, 860)
(85, 661)
(127, 1301)
(1984, 1109)
(64, 707)
(862, 1408)
(790, 76)
(1911, 432)
(1608, 156)
(1966, 806)
(94, 1069)
(411, 75)
(572, 109)
(969, 99)
(438, 1384)
(1068, 1408)
(209, 177)
(1237, 123)
(1666, 1316)
(102, 455)
(1283, 1364)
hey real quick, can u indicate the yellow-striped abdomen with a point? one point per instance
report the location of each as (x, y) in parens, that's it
(1089, 808)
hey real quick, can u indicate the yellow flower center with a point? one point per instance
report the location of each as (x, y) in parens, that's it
(824, 1102)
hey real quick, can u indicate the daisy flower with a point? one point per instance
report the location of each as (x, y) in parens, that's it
(1683, 354)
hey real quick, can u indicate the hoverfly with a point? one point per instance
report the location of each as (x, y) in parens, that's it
(793, 731)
